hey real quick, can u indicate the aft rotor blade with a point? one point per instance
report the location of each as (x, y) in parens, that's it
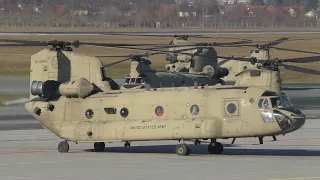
(302, 59)
(300, 69)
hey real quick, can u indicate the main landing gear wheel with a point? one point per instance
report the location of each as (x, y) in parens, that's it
(217, 148)
(99, 146)
(183, 150)
(63, 147)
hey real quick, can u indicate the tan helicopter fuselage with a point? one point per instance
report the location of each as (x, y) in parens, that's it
(132, 115)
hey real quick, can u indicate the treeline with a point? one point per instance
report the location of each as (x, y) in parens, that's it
(137, 12)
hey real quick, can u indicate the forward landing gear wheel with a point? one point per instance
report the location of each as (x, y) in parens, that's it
(182, 150)
(217, 148)
(99, 146)
(63, 147)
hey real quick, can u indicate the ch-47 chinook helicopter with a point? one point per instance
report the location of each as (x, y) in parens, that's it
(71, 97)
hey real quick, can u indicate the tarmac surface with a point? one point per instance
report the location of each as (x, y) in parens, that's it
(32, 154)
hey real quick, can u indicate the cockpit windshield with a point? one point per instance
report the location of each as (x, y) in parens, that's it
(132, 80)
(281, 101)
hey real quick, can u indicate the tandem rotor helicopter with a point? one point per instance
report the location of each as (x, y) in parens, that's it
(71, 96)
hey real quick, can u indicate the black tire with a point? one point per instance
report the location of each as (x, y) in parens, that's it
(63, 147)
(216, 149)
(99, 146)
(219, 148)
(182, 150)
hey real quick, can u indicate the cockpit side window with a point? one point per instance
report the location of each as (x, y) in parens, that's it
(275, 102)
(132, 80)
(139, 80)
(263, 104)
(127, 80)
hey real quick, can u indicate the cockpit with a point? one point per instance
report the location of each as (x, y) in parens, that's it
(132, 80)
(279, 109)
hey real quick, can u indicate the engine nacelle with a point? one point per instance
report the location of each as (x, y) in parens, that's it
(52, 89)
(221, 72)
(218, 72)
(171, 57)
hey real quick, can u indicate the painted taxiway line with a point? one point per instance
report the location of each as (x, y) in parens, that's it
(298, 178)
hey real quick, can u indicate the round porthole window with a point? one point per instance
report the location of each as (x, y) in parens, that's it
(194, 109)
(231, 108)
(124, 112)
(245, 67)
(159, 111)
(89, 114)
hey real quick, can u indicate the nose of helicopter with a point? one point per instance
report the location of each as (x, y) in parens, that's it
(290, 120)
(298, 120)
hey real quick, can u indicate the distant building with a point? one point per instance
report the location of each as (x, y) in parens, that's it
(186, 10)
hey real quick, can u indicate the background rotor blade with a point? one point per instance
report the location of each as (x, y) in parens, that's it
(174, 35)
(294, 50)
(184, 53)
(112, 56)
(302, 59)
(300, 69)
(117, 62)
(276, 42)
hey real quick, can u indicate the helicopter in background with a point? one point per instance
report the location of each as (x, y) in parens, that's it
(141, 73)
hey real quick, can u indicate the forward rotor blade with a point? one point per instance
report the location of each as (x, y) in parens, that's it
(300, 69)
(303, 59)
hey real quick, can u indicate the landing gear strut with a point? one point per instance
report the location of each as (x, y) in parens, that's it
(127, 144)
(197, 142)
(63, 147)
(215, 147)
(99, 146)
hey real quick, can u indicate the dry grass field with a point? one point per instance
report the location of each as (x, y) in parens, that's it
(16, 60)
(83, 29)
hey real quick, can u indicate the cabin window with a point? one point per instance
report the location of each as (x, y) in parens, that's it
(89, 114)
(231, 108)
(255, 73)
(159, 111)
(194, 109)
(110, 110)
(124, 112)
